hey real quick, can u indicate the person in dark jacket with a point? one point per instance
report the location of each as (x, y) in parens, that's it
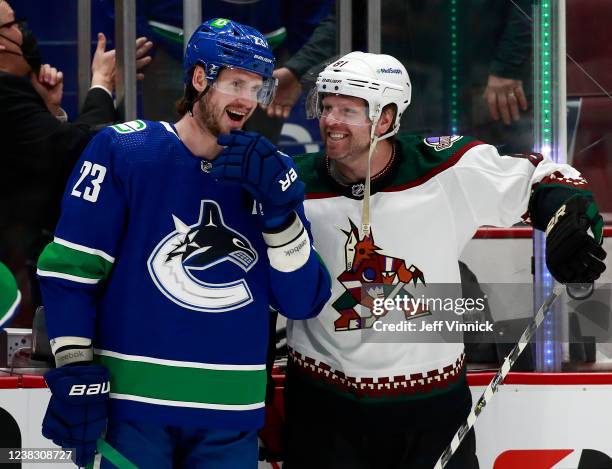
(40, 145)
(495, 55)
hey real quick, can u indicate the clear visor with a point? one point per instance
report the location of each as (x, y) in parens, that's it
(252, 89)
(334, 110)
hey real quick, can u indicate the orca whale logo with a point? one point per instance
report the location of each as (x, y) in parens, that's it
(189, 250)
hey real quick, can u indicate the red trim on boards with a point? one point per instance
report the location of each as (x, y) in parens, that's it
(529, 379)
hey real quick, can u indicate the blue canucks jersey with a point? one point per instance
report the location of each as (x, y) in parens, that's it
(167, 271)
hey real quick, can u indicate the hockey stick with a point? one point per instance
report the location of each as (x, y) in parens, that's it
(509, 361)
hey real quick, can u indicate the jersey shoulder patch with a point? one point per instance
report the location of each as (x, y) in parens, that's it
(424, 157)
(443, 142)
(446, 146)
(129, 127)
(137, 140)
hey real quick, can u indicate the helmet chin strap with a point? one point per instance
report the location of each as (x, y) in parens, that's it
(365, 206)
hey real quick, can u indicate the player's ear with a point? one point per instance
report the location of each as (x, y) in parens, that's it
(386, 119)
(198, 79)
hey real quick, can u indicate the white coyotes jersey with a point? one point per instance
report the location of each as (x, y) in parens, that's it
(426, 205)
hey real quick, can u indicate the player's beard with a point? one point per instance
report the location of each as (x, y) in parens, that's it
(210, 116)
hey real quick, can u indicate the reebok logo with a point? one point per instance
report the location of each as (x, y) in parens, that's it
(296, 249)
(79, 354)
(72, 357)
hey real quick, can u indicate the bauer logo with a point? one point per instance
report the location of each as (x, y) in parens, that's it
(188, 264)
(89, 389)
(261, 57)
(395, 71)
(289, 179)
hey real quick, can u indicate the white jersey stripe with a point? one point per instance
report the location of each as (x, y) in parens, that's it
(72, 278)
(85, 249)
(193, 405)
(169, 128)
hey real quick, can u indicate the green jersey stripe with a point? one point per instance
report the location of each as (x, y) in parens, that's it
(7, 313)
(177, 363)
(185, 384)
(80, 247)
(58, 260)
(9, 294)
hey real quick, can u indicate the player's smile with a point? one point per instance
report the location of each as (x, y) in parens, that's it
(337, 139)
(237, 113)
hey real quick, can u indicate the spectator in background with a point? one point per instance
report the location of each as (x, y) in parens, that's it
(494, 58)
(505, 61)
(40, 145)
(481, 52)
(320, 47)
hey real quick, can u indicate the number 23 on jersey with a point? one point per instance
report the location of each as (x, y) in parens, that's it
(88, 184)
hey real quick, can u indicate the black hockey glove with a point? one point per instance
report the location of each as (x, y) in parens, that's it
(267, 174)
(573, 255)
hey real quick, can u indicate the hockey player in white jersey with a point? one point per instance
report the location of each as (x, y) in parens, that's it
(173, 241)
(358, 404)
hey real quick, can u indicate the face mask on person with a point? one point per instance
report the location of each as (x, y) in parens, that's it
(29, 46)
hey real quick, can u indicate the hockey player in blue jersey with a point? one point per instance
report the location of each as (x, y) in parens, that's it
(173, 241)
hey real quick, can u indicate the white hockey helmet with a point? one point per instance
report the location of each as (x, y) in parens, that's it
(379, 79)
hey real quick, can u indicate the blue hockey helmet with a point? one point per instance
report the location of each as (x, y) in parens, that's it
(220, 42)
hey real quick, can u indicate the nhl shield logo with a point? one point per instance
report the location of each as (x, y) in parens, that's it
(181, 261)
(206, 166)
(358, 189)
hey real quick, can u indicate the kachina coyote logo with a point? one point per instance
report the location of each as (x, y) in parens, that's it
(190, 250)
(366, 265)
